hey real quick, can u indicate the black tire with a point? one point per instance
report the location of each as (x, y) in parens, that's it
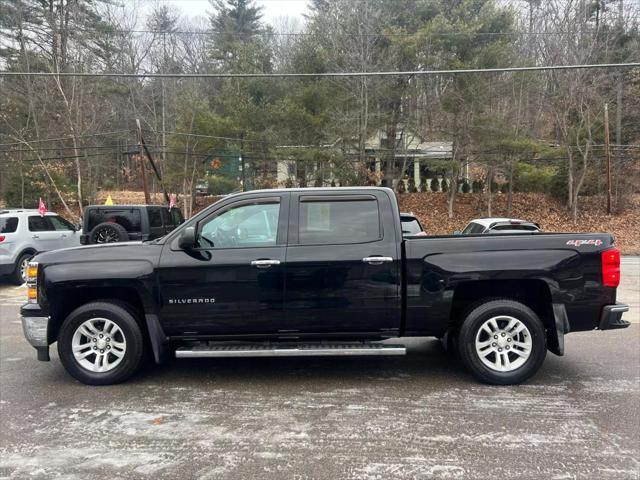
(16, 277)
(108, 232)
(122, 316)
(474, 320)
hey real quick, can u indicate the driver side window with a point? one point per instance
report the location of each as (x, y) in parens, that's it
(247, 225)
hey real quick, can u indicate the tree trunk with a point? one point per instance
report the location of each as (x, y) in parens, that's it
(576, 190)
(510, 193)
(489, 191)
(453, 184)
(569, 177)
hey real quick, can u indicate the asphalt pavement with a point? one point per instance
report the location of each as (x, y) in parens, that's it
(419, 416)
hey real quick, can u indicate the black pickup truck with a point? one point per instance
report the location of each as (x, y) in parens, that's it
(318, 272)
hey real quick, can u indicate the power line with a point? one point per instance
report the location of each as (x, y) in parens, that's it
(89, 147)
(119, 31)
(214, 137)
(88, 135)
(325, 74)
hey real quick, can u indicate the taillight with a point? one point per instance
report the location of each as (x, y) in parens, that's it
(2, 237)
(611, 267)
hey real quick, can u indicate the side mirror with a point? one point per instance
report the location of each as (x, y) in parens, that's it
(457, 232)
(187, 239)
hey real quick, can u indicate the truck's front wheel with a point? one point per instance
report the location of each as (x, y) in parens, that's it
(101, 343)
(502, 342)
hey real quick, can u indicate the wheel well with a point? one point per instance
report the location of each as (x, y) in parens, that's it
(535, 294)
(30, 251)
(70, 300)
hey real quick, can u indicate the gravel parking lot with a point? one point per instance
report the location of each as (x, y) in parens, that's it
(419, 416)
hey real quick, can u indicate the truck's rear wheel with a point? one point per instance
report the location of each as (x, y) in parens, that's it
(101, 343)
(502, 342)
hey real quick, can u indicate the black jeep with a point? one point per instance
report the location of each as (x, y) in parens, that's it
(121, 223)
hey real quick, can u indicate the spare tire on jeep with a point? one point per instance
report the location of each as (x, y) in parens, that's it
(108, 232)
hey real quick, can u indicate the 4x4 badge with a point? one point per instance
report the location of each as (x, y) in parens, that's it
(578, 243)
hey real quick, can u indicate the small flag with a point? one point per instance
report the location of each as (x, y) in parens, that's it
(172, 201)
(42, 208)
(109, 200)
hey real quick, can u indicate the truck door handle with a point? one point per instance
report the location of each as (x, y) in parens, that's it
(377, 260)
(64, 235)
(264, 263)
(35, 236)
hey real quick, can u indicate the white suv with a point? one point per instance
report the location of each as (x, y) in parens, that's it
(23, 233)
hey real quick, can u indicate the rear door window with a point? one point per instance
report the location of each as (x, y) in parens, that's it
(155, 218)
(177, 217)
(60, 223)
(8, 224)
(40, 224)
(328, 222)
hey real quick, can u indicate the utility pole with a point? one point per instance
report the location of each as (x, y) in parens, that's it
(244, 179)
(145, 188)
(608, 153)
(619, 87)
(164, 124)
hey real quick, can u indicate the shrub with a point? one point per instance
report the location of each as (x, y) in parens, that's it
(219, 185)
(477, 186)
(435, 185)
(530, 178)
(466, 188)
(445, 185)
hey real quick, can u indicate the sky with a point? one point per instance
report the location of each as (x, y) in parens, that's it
(272, 9)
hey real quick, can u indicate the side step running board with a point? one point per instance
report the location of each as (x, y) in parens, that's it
(290, 350)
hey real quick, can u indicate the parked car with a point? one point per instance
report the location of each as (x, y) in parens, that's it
(411, 225)
(322, 271)
(23, 233)
(499, 225)
(202, 187)
(122, 223)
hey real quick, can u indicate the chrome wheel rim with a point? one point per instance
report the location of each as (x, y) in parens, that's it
(98, 345)
(107, 235)
(23, 269)
(503, 343)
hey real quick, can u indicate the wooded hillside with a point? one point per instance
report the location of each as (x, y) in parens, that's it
(65, 138)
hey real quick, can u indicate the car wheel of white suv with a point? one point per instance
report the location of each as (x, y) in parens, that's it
(19, 275)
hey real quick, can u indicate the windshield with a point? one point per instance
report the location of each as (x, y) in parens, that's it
(529, 228)
(410, 226)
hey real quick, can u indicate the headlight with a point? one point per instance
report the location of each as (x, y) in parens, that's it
(32, 282)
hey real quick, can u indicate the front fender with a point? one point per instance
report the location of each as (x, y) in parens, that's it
(62, 280)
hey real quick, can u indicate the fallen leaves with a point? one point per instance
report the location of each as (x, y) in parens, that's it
(431, 208)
